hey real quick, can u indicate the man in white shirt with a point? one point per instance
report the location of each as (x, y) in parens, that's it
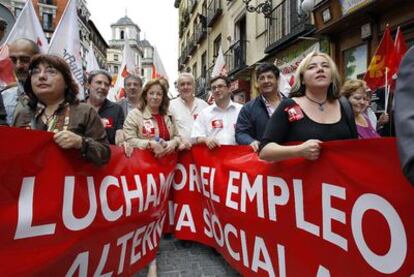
(186, 107)
(216, 124)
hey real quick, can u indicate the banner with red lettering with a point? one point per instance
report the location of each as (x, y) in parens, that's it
(350, 213)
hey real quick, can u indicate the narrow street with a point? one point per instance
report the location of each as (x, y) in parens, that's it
(176, 261)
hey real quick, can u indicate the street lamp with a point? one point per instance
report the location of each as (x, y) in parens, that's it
(265, 8)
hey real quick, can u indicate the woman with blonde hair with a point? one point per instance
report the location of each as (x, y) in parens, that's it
(355, 91)
(313, 113)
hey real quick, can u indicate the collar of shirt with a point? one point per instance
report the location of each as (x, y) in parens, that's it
(229, 106)
(41, 107)
(193, 107)
(269, 107)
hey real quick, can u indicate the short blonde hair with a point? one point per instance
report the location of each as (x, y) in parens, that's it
(299, 88)
(351, 86)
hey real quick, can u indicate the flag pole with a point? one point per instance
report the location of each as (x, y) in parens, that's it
(387, 90)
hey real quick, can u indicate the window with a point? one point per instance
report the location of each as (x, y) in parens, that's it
(216, 45)
(47, 19)
(194, 71)
(116, 57)
(17, 11)
(355, 61)
(204, 64)
(122, 34)
(115, 69)
(49, 2)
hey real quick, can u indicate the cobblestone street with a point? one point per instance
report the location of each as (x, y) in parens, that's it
(198, 260)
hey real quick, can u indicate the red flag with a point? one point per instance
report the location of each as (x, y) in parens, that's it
(400, 47)
(384, 59)
(6, 68)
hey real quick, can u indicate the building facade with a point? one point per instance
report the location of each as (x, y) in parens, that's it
(281, 32)
(124, 29)
(100, 46)
(50, 12)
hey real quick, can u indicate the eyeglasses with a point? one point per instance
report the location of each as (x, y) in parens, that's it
(21, 59)
(49, 71)
(221, 86)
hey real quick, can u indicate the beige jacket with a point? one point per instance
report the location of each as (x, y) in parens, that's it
(141, 127)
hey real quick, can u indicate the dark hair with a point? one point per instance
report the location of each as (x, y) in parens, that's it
(94, 73)
(3, 24)
(71, 88)
(165, 99)
(265, 67)
(222, 77)
(133, 77)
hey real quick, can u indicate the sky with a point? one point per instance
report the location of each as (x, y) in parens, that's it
(157, 19)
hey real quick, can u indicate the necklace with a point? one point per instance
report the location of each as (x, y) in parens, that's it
(321, 107)
(48, 117)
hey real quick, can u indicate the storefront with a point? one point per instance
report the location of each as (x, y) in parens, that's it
(355, 28)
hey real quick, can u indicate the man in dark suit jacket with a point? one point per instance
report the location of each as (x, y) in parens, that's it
(404, 114)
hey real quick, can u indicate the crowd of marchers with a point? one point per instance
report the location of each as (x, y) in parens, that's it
(317, 109)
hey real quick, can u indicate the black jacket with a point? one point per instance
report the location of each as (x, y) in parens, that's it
(404, 114)
(251, 122)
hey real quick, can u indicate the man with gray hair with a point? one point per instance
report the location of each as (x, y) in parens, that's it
(21, 52)
(186, 107)
(111, 113)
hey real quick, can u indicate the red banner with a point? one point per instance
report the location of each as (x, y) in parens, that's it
(349, 213)
(61, 215)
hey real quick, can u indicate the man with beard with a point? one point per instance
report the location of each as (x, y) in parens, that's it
(186, 107)
(111, 113)
(20, 53)
(254, 115)
(133, 89)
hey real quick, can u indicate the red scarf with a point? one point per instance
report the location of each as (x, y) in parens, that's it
(162, 127)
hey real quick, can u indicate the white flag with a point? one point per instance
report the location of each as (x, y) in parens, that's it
(157, 66)
(66, 44)
(128, 66)
(219, 68)
(91, 62)
(284, 86)
(28, 26)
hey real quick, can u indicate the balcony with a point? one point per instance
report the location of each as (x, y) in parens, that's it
(192, 4)
(192, 44)
(285, 24)
(200, 32)
(201, 88)
(235, 56)
(214, 10)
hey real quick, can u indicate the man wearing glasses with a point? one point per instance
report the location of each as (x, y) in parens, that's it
(215, 124)
(21, 52)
